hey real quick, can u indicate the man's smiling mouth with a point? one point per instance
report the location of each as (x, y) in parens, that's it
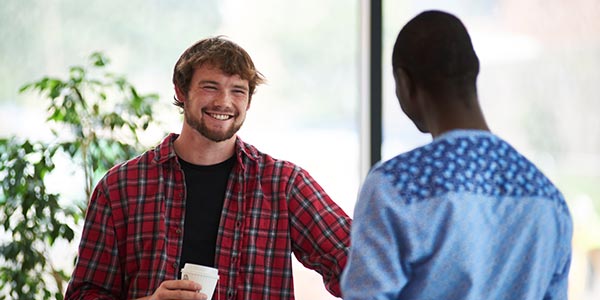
(221, 117)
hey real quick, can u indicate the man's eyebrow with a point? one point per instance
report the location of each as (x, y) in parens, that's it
(208, 81)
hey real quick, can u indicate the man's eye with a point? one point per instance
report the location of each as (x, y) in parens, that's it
(240, 92)
(210, 87)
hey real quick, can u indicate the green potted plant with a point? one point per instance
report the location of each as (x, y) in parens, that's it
(95, 118)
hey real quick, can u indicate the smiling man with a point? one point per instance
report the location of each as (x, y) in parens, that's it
(206, 197)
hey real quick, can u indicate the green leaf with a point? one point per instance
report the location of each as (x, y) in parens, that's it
(54, 88)
(76, 74)
(25, 87)
(99, 60)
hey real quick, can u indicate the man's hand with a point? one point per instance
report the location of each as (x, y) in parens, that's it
(177, 290)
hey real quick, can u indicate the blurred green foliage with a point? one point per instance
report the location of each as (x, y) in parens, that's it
(95, 117)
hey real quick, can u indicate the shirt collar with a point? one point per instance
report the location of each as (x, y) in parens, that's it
(166, 150)
(459, 133)
(244, 150)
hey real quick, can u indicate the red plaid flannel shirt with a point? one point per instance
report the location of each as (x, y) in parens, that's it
(133, 233)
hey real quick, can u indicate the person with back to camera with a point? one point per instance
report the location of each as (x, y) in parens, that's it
(206, 197)
(465, 216)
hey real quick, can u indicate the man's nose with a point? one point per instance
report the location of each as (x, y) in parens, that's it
(224, 98)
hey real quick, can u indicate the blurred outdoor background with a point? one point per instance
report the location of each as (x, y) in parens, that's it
(540, 68)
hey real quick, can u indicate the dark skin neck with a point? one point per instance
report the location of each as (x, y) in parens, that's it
(446, 110)
(440, 115)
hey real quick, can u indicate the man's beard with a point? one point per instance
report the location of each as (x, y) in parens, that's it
(215, 136)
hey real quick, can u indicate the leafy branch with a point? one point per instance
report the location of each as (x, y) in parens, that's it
(95, 118)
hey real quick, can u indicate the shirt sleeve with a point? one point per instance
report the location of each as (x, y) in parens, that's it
(374, 269)
(97, 273)
(558, 288)
(320, 230)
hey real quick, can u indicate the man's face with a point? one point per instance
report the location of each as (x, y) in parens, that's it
(216, 104)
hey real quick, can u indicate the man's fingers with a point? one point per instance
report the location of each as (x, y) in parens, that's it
(183, 294)
(181, 285)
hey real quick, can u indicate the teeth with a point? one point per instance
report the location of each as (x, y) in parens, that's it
(220, 117)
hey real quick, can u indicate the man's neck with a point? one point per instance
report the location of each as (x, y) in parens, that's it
(194, 148)
(443, 118)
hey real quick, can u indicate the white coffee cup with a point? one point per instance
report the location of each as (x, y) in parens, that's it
(207, 277)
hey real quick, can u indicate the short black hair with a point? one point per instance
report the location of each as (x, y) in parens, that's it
(435, 49)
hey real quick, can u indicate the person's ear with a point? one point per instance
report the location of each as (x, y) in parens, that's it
(404, 84)
(181, 96)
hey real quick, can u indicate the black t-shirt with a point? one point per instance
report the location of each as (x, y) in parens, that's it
(205, 189)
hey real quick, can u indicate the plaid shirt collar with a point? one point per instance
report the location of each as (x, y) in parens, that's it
(165, 151)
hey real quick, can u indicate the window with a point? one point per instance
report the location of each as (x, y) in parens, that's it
(307, 50)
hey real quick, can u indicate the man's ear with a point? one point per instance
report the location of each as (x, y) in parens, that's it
(180, 95)
(404, 82)
(404, 85)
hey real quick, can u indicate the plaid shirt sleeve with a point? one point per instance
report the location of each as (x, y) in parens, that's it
(96, 274)
(320, 230)
(132, 233)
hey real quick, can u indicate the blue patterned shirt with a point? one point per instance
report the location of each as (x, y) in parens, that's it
(464, 217)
